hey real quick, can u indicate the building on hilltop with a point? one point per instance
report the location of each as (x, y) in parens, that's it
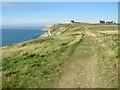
(102, 22)
(109, 22)
(72, 21)
(76, 22)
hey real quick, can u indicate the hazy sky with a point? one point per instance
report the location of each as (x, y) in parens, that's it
(54, 12)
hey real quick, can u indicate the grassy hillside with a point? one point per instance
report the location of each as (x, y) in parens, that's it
(76, 55)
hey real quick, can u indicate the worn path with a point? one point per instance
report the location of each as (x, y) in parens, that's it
(83, 69)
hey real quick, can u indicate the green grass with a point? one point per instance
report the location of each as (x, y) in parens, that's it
(41, 61)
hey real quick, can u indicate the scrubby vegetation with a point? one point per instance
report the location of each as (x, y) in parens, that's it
(42, 62)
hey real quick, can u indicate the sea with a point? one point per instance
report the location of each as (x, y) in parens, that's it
(14, 36)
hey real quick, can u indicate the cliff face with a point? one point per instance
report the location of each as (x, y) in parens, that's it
(67, 50)
(56, 29)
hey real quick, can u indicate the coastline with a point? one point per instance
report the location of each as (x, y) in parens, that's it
(37, 36)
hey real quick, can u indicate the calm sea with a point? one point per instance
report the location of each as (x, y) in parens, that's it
(13, 36)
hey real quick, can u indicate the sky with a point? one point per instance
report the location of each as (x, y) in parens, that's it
(35, 13)
(60, 0)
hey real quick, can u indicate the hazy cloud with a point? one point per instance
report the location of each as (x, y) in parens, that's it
(28, 7)
(8, 21)
(60, 0)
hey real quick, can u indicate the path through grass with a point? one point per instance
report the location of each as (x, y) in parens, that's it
(76, 56)
(84, 69)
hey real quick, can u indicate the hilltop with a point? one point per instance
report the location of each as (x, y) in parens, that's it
(74, 55)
